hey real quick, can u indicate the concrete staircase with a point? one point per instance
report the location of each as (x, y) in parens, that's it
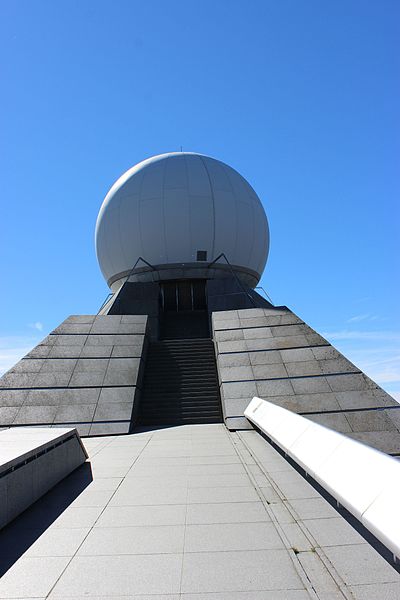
(180, 383)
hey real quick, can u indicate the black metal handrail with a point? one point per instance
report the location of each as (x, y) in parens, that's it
(260, 287)
(222, 255)
(108, 297)
(152, 267)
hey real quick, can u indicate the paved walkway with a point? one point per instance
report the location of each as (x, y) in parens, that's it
(190, 513)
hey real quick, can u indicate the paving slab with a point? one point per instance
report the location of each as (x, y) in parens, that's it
(120, 575)
(236, 571)
(195, 513)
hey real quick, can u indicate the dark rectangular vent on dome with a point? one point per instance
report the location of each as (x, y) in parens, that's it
(201, 254)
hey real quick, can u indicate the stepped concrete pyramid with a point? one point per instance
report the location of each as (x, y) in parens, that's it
(184, 338)
(185, 496)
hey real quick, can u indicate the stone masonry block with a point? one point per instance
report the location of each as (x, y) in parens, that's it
(65, 351)
(68, 328)
(109, 428)
(357, 399)
(254, 322)
(100, 340)
(336, 421)
(75, 413)
(386, 441)
(132, 328)
(265, 357)
(40, 351)
(8, 414)
(12, 397)
(128, 340)
(133, 318)
(373, 420)
(271, 371)
(106, 324)
(17, 380)
(250, 313)
(36, 414)
(53, 397)
(235, 346)
(394, 416)
(81, 395)
(88, 379)
(314, 339)
(300, 369)
(62, 365)
(80, 319)
(116, 395)
(290, 330)
(56, 379)
(283, 342)
(297, 355)
(239, 359)
(337, 365)
(302, 403)
(89, 365)
(278, 387)
(325, 353)
(257, 333)
(127, 351)
(69, 340)
(28, 365)
(235, 373)
(229, 335)
(311, 385)
(96, 351)
(239, 389)
(113, 412)
(343, 383)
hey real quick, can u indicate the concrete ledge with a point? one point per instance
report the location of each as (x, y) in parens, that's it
(32, 461)
(363, 480)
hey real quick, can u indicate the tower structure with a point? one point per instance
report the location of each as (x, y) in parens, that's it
(182, 240)
(191, 390)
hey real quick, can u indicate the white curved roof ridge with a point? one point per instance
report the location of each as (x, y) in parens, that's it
(362, 479)
(169, 206)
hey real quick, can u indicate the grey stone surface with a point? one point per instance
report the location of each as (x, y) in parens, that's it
(32, 577)
(359, 564)
(124, 575)
(145, 539)
(84, 364)
(192, 512)
(272, 354)
(235, 571)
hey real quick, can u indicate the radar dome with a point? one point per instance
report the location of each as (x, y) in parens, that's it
(178, 212)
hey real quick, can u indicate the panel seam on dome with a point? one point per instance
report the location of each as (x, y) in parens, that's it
(237, 200)
(120, 232)
(213, 205)
(163, 209)
(253, 213)
(140, 218)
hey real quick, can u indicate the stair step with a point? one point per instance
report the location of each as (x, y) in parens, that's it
(187, 368)
(180, 382)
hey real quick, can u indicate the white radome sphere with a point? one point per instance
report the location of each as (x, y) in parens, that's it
(167, 208)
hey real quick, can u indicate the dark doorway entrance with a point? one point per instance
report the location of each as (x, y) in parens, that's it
(183, 309)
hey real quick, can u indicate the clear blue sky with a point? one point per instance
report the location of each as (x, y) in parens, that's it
(302, 97)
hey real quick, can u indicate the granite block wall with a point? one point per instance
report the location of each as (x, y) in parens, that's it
(273, 354)
(86, 374)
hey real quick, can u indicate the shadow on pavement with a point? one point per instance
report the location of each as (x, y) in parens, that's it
(20, 534)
